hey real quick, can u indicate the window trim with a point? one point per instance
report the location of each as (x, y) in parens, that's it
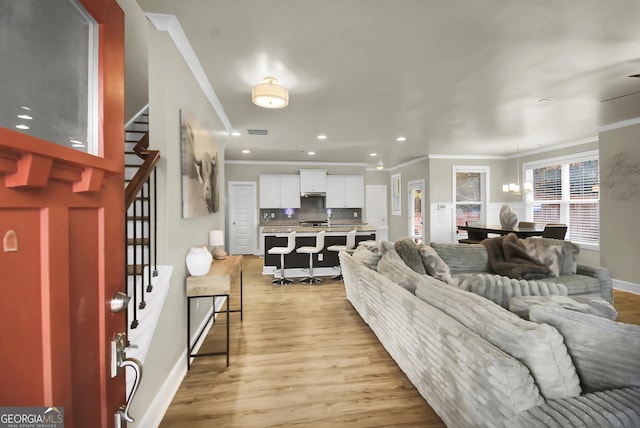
(559, 160)
(484, 203)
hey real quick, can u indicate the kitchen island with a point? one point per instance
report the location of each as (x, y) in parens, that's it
(325, 263)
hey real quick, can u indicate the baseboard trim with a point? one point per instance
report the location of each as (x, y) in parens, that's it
(155, 412)
(629, 287)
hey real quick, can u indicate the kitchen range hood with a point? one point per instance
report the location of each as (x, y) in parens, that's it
(306, 194)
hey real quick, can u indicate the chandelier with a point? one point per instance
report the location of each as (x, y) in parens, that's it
(514, 188)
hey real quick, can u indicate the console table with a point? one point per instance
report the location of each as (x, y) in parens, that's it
(218, 282)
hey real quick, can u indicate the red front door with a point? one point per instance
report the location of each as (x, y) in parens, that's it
(62, 254)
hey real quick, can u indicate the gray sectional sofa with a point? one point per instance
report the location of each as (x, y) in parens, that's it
(480, 365)
(469, 265)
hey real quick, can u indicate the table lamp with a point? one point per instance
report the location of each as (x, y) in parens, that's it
(216, 241)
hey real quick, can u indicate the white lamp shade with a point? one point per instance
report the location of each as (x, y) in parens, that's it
(216, 238)
(269, 94)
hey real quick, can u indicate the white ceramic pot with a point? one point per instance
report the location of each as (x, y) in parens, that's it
(199, 261)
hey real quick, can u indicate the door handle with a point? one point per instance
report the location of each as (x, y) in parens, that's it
(119, 362)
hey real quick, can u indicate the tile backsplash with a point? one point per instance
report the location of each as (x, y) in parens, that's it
(311, 209)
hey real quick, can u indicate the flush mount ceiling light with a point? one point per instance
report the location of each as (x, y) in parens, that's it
(269, 94)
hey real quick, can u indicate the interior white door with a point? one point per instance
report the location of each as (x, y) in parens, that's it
(243, 224)
(376, 205)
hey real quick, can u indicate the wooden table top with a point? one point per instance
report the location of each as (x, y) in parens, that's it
(218, 280)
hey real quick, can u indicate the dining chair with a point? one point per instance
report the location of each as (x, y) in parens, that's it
(526, 225)
(472, 237)
(555, 231)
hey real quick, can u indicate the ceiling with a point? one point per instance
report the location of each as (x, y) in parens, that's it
(456, 77)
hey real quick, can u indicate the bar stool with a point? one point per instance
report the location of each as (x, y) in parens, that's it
(349, 245)
(382, 234)
(311, 251)
(291, 244)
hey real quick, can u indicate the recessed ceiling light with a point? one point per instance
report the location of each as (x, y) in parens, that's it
(373, 154)
(235, 134)
(22, 126)
(25, 108)
(544, 100)
(311, 153)
(401, 139)
(246, 151)
(322, 137)
(25, 116)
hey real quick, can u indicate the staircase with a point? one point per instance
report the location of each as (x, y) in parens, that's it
(147, 283)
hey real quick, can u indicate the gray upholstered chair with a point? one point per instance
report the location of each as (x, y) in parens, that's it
(350, 244)
(311, 251)
(291, 245)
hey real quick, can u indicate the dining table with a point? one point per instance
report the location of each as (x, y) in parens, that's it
(483, 230)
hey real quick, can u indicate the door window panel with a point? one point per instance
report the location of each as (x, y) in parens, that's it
(49, 93)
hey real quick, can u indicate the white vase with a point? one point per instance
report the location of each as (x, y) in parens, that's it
(199, 261)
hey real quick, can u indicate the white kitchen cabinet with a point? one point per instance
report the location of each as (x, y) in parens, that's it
(345, 191)
(279, 191)
(313, 181)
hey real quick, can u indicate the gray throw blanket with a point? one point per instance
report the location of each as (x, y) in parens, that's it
(508, 257)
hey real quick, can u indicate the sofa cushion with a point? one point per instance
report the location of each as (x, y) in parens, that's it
(570, 251)
(369, 258)
(577, 284)
(434, 265)
(605, 352)
(463, 258)
(597, 306)
(408, 251)
(500, 289)
(547, 255)
(539, 347)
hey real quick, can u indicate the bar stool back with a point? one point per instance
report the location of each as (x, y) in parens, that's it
(311, 251)
(350, 244)
(291, 244)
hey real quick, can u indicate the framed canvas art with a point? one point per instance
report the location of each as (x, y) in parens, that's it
(199, 156)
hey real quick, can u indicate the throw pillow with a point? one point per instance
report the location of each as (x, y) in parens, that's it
(434, 265)
(369, 258)
(386, 246)
(570, 251)
(408, 251)
(545, 254)
(539, 347)
(395, 269)
(604, 352)
(521, 305)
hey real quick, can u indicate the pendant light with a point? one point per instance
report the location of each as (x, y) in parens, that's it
(269, 94)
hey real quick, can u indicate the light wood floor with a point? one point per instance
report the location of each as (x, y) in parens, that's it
(303, 357)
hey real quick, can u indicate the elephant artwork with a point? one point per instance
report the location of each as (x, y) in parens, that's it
(200, 193)
(508, 217)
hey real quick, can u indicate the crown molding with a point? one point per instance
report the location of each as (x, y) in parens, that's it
(618, 125)
(309, 163)
(170, 24)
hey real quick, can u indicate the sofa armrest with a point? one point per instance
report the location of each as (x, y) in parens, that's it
(601, 274)
(611, 408)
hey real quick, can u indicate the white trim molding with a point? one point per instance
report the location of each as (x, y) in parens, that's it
(170, 24)
(629, 287)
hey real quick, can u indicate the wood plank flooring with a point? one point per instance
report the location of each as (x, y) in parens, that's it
(303, 357)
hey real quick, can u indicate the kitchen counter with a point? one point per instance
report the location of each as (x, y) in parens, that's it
(308, 229)
(325, 263)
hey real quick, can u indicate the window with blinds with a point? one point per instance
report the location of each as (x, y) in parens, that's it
(567, 191)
